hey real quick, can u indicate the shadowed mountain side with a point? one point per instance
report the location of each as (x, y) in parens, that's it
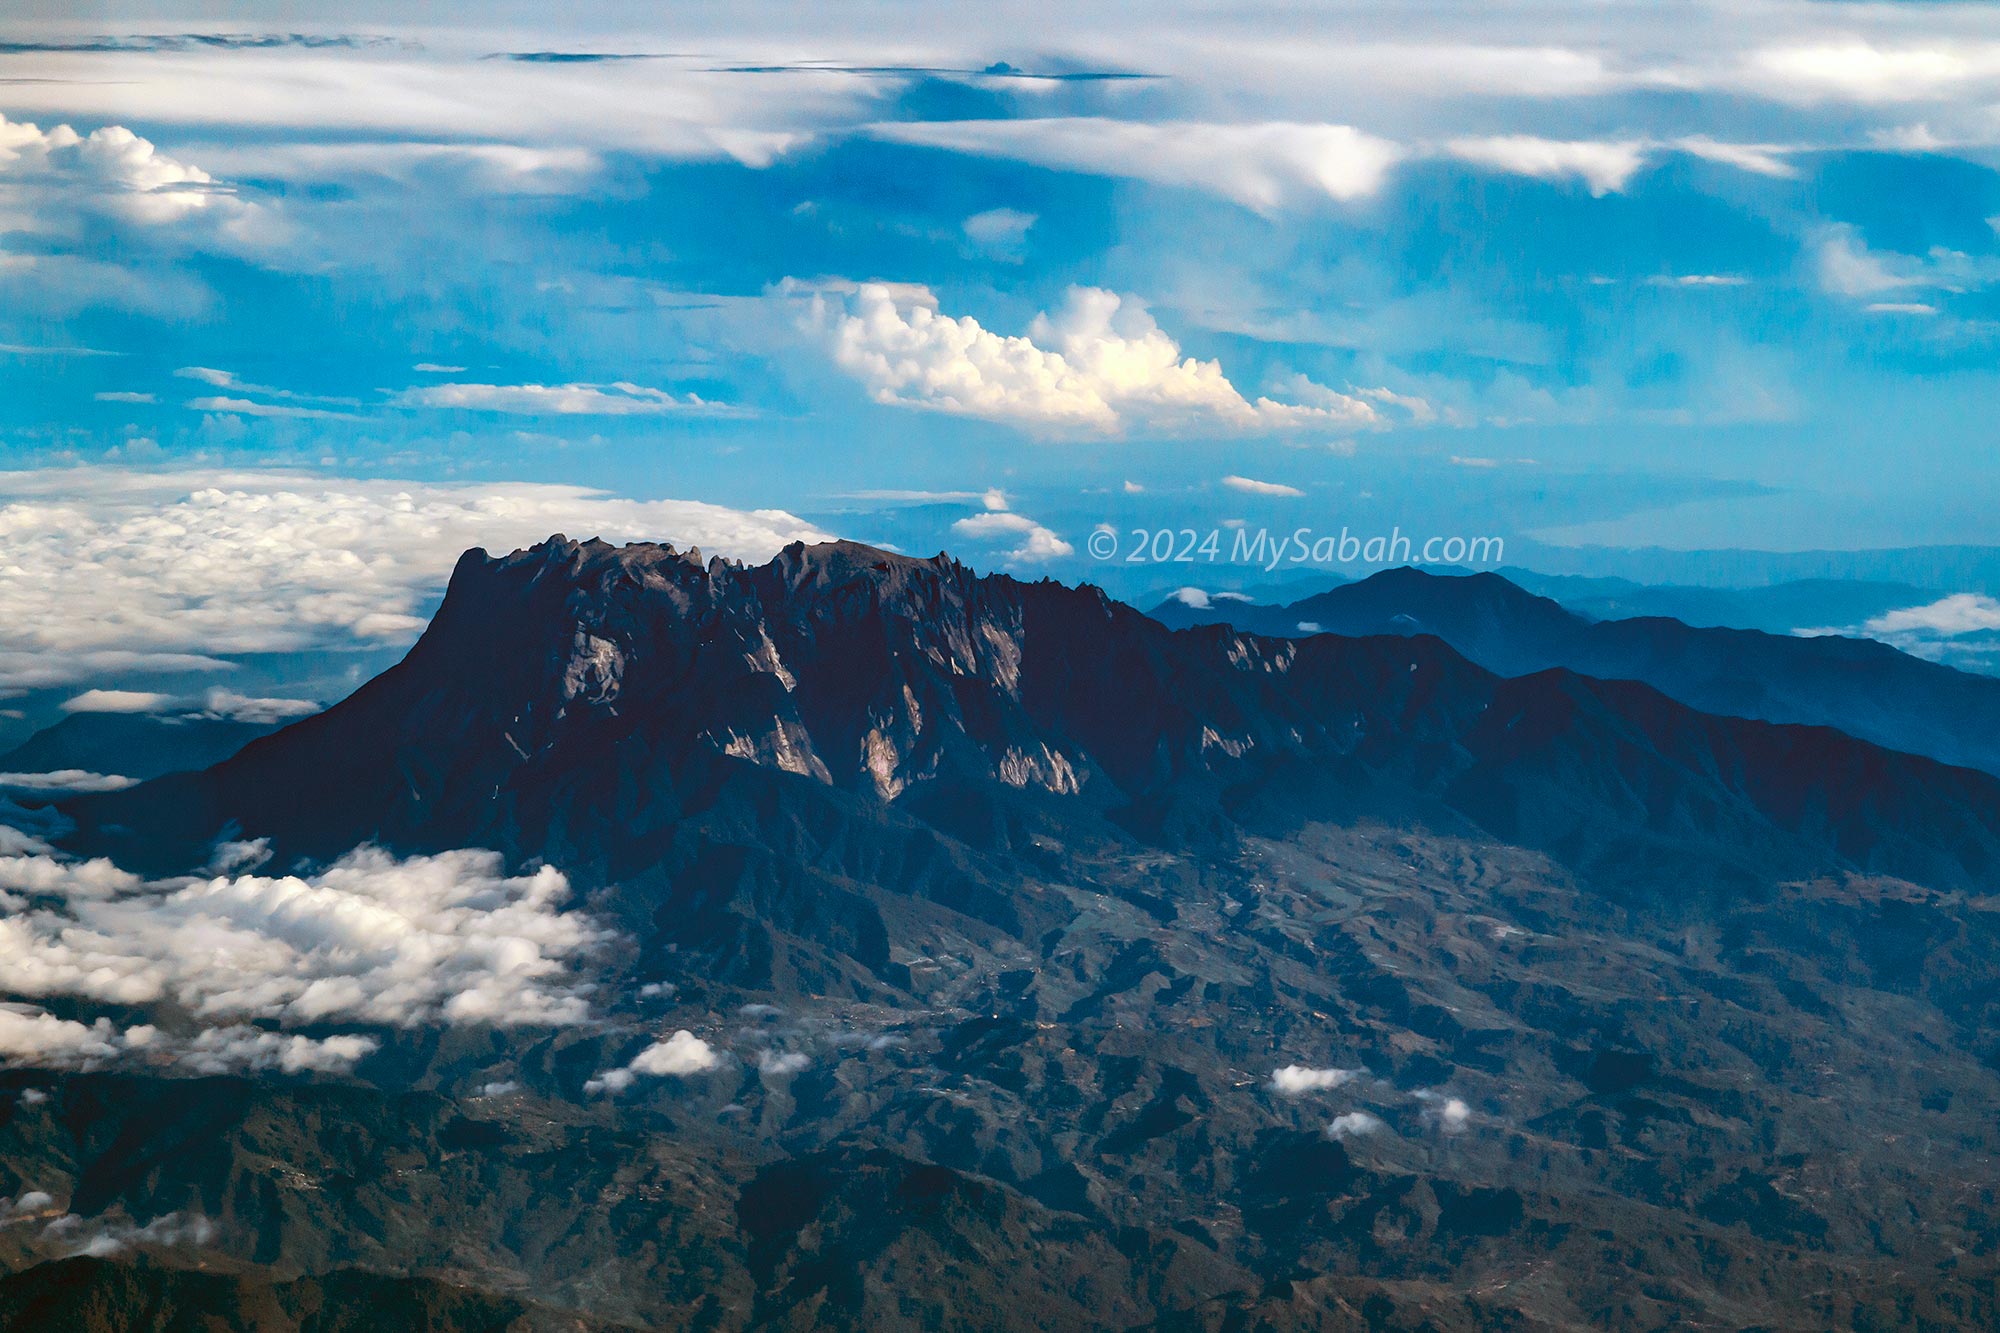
(1867, 689)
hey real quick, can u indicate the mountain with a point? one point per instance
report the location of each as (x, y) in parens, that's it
(568, 702)
(95, 1295)
(1064, 970)
(1865, 688)
(133, 745)
(1778, 608)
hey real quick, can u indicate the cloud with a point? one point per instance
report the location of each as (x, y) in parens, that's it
(112, 571)
(617, 399)
(1959, 630)
(123, 396)
(216, 703)
(1604, 167)
(1195, 598)
(1032, 541)
(66, 780)
(234, 707)
(1697, 280)
(101, 1237)
(117, 701)
(1261, 166)
(110, 170)
(1270, 166)
(29, 1205)
(1099, 366)
(1857, 70)
(1251, 486)
(1848, 267)
(247, 407)
(679, 1056)
(1960, 613)
(1297, 1080)
(782, 1064)
(1000, 232)
(37, 1038)
(448, 938)
(33, 869)
(1353, 1125)
(1758, 159)
(1449, 1114)
(433, 168)
(394, 102)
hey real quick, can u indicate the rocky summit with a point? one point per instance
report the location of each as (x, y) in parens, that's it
(977, 953)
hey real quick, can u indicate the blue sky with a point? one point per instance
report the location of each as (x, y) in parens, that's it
(1713, 276)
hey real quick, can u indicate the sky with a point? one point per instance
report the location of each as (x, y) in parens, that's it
(322, 293)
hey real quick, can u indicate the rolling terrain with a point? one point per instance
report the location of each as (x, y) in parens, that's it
(1057, 969)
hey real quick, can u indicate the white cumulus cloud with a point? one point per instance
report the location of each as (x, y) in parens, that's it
(371, 939)
(1100, 365)
(110, 170)
(1030, 541)
(35, 1037)
(1450, 1114)
(1353, 1125)
(679, 1056)
(1297, 1080)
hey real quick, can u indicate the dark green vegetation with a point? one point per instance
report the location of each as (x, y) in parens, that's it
(1656, 1018)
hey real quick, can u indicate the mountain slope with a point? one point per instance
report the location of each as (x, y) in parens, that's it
(1860, 686)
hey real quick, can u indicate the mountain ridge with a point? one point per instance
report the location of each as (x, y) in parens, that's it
(1869, 689)
(876, 674)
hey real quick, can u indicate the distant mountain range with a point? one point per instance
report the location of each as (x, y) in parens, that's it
(1127, 977)
(1862, 687)
(1779, 608)
(133, 745)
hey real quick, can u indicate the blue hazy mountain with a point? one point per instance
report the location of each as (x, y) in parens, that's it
(1865, 688)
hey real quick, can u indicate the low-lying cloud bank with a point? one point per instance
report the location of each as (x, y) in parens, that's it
(31, 1036)
(113, 572)
(374, 940)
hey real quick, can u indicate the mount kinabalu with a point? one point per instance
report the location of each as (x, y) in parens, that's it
(1868, 689)
(1579, 984)
(571, 700)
